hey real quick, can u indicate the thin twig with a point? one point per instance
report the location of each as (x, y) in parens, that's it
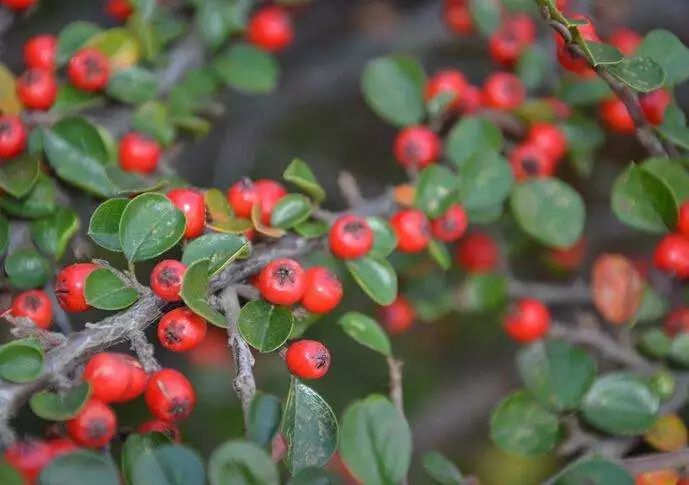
(657, 461)
(144, 350)
(396, 390)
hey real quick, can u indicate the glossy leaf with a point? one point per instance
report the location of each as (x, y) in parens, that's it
(239, 461)
(486, 15)
(312, 229)
(679, 349)
(314, 476)
(441, 470)
(366, 331)
(52, 233)
(21, 360)
(133, 85)
(290, 210)
(594, 471)
(667, 50)
(484, 181)
(195, 293)
(80, 467)
(169, 465)
(603, 54)
(440, 254)
(482, 293)
(264, 326)
(640, 73)
(656, 343)
(436, 190)
(38, 203)
(673, 174)
(119, 45)
(153, 119)
(105, 290)
(70, 100)
(376, 277)
(384, 237)
(265, 413)
(18, 175)
(104, 226)
(300, 174)
(247, 69)
(27, 269)
(219, 249)
(130, 183)
(57, 406)
(136, 446)
(470, 137)
(72, 38)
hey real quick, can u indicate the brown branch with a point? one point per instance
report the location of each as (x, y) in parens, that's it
(657, 461)
(396, 391)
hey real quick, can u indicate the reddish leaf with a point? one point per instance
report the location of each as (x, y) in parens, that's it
(617, 288)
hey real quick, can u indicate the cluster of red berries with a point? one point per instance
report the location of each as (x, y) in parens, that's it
(245, 194)
(31, 456)
(672, 252)
(516, 33)
(540, 153)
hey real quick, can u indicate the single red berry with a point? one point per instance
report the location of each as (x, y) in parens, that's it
(34, 304)
(416, 147)
(138, 153)
(29, 457)
(138, 378)
(458, 17)
(672, 255)
(242, 196)
(677, 321)
(282, 282)
(212, 351)
(549, 138)
(323, 290)
(472, 100)
(683, 220)
(615, 116)
(413, 230)
(505, 47)
(398, 316)
(654, 105)
(529, 160)
(19, 5)
(37, 89)
(89, 69)
(69, 288)
(157, 426)
(269, 193)
(61, 446)
(94, 426)
(271, 29)
(166, 279)
(109, 376)
(119, 9)
(503, 90)
(523, 27)
(350, 237)
(478, 253)
(12, 136)
(169, 395)
(193, 206)
(529, 321)
(568, 259)
(307, 359)
(181, 329)
(571, 61)
(450, 226)
(39, 52)
(626, 40)
(449, 82)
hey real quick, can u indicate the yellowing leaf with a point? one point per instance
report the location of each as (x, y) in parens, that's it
(667, 434)
(9, 102)
(119, 45)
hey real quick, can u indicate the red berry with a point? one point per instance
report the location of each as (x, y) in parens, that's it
(181, 329)
(166, 279)
(568, 259)
(307, 359)
(571, 61)
(672, 255)
(458, 17)
(157, 426)
(242, 196)
(138, 153)
(29, 457)
(350, 237)
(529, 160)
(398, 316)
(472, 100)
(37, 89)
(615, 116)
(119, 9)
(529, 321)
(271, 29)
(137, 379)
(269, 193)
(413, 230)
(478, 253)
(34, 304)
(561, 110)
(282, 282)
(12, 136)
(683, 220)
(449, 82)
(169, 395)
(108, 373)
(503, 90)
(654, 105)
(69, 288)
(450, 226)
(677, 321)
(39, 52)
(323, 290)
(61, 446)
(89, 69)
(94, 426)
(549, 138)
(416, 147)
(626, 40)
(19, 5)
(504, 47)
(193, 206)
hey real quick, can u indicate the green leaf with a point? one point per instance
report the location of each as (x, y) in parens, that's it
(470, 137)
(482, 293)
(311, 229)
(136, 446)
(4, 233)
(620, 404)
(521, 425)
(486, 15)
(376, 277)
(27, 269)
(194, 92)
(300, 174)
(679, 135)
(679, 350)
(673, 174)
(76, 151)
(55, 406)
(264, 326)
(153, 119)
(80, 467)
(71, 99)
(549, 210)
(655, 343)
(376, 441)
(215, 20)
(384, 237)
(150, 225)
(133, 85)
(667, 50)
(219, 249)
(594, 471)
(585, 92)
(314, 476)
(9, 475)
(131, 183)
(169, 465)
(557, 373)
(604, 54)
(534, 65)
(265, 413)
(484, 181)
(119, 45)
(104, 226)
(52, 233)
(644, 201)
(72, 38)
(105, 291)
(145, 8)
(40, 201)
(309, 427)
(19, 174)
(439, 253)
(392, 87)
(247, 69)
(239, 461)
(21, 361)
(195, 292)
(291, 210)
(366, 331)
(436, 189)
(441, 470)
(640, 73)
(653, 306)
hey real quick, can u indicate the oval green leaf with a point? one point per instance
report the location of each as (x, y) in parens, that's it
(594, 471)
(247, 69)
(264, 326)
(106, 291)
(195, 293)
(366, 331)
(376, 277)
(472, 136)
(72, 38)
(21, 360)
(436, 189)
(290, 210)
(169, 465)
(265, 413)
(441, 469)
(136, 446)
(384, 237)
(219, 249)
(56, 406)
(300, 174)
(19, 174)
(52, 233)
(239, 461)
(104, 226)
(133, 85)
(80, 467)
(640, 73)
(484, 181)
(27, 269)
(38, 203)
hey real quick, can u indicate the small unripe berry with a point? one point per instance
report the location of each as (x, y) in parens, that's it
(478, 253)
(416, 147)
(119, 9)
(37, 89)
(677, 321)
(615, 116)
(458, 17)
(271, 29)
(654, 105)
(323, 290)
(138, 153)
(69, 288)
(529, 160)
(350, 237)
(166, 279)
(504, 91)
(181, 329)
(307, 359)
(398, 316)
(94, 426)
(413, 230)
(34, 304)
(193, 206)
(18, 5)
(12, 137)
(529, 321)
(269, 193)
(450, 226)
(28, 457)
(626, 40)
(449, 82)
(549, 138)
(672, 255)
(169, 395)
(157, 426)
(683, 220)
(282, 282)
(242, 196)
(89, 69)
(39, 52)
